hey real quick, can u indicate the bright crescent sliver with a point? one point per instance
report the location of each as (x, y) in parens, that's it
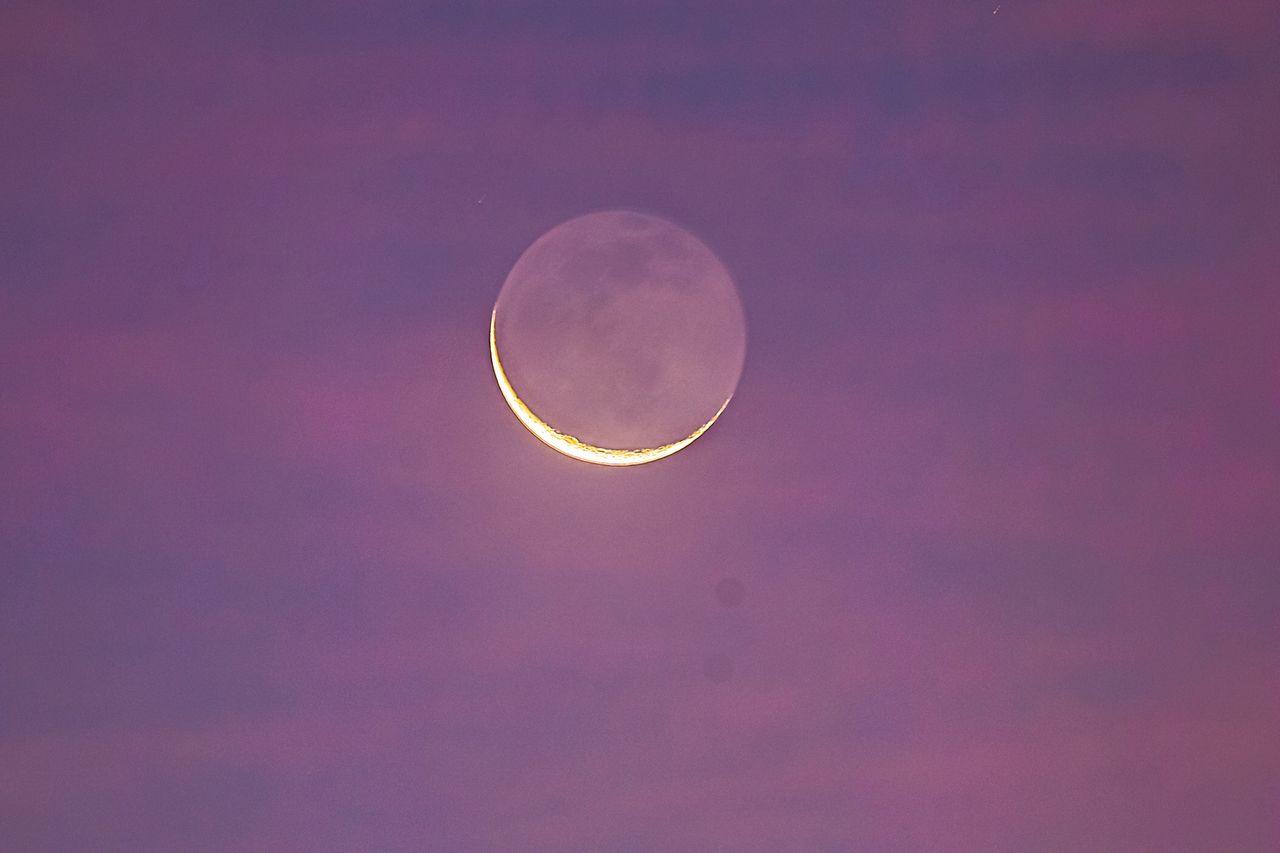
(568, 444)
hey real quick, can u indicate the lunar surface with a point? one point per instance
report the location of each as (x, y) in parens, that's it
(618, 338)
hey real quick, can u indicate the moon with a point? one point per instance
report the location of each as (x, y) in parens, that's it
(618, 338)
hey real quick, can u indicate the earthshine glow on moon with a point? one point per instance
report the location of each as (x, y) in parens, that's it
(622, 338)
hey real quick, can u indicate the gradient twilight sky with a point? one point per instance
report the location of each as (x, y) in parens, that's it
(1000, 488)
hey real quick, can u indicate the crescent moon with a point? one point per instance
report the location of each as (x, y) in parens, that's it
(575, 447)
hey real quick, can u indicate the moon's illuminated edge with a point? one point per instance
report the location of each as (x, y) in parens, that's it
(575, 447)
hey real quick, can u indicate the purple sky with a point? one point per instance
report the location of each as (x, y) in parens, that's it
(1000, 485)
